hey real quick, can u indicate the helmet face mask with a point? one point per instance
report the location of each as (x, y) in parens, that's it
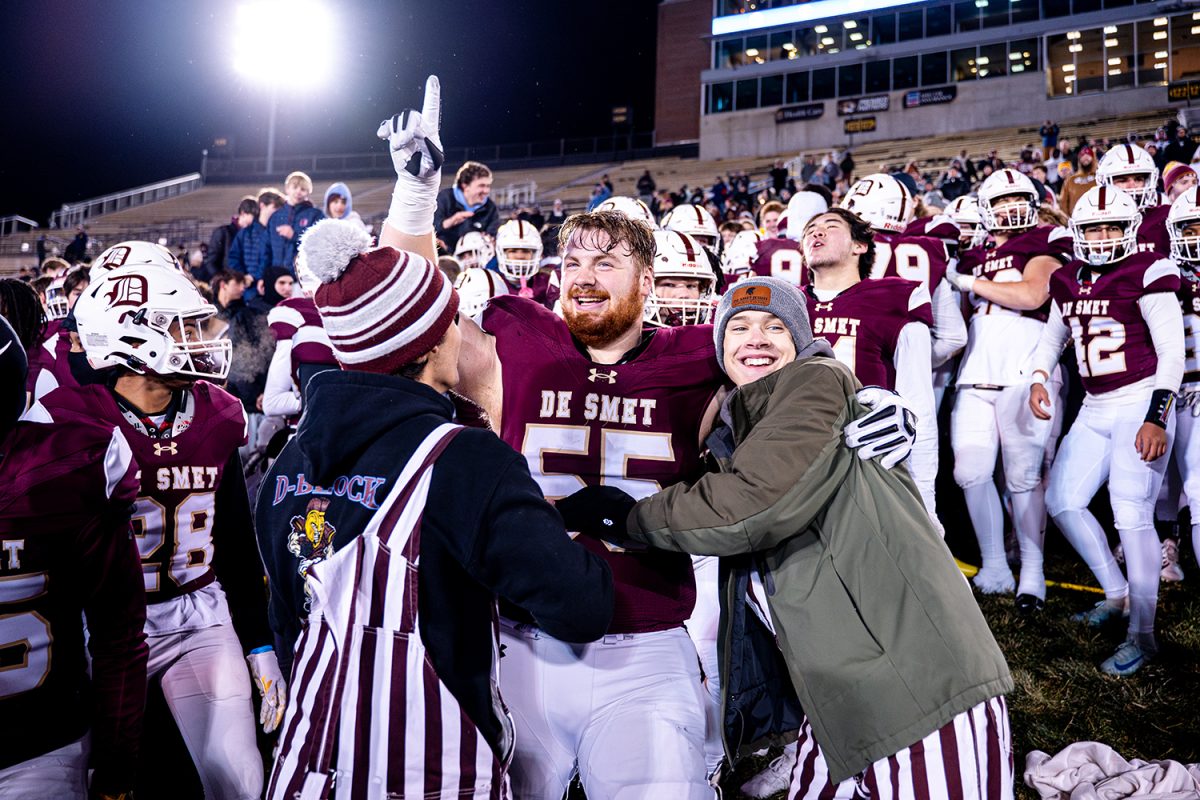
(1008, 201)
(517, 235)
(1130, 161)
(58, 305)
(1185, 215)
(1105, 207)
(150, 321)
(965, 213)
(680, 257)
(473, 250)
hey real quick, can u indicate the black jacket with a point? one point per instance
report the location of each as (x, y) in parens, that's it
(486, 219)
(486, 528)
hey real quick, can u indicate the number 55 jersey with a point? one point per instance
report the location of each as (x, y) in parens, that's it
(634, 425)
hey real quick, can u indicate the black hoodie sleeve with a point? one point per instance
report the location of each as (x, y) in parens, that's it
(236, 561)
(523, 553)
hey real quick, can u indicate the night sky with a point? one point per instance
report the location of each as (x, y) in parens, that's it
(103, 96)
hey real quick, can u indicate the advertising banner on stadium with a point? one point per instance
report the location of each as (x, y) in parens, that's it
(859, 125)
(863, 105)
(797, 113)
(930, 97)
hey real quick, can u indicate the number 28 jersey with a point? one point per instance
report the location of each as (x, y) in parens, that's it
(175, 511)
(633, 425)
(1112, 341)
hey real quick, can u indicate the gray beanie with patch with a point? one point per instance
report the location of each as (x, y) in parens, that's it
(775, 296)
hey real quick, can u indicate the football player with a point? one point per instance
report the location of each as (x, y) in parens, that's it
(684, 282)
(964, 213)
(50, 364)
(1130, 168)
(1183, 225)
(780, 256)
(887, 206)
(631, 207)
(593, 397)
(739, 256)
(878, 328)
(474, 249)
(519, 259)
(1007, 286)
(476, 287)
(140, 327)
(302, 347)
(66, 492)
(1119, 307)
(697, 223)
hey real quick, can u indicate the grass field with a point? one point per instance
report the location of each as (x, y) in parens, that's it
(1061, 697)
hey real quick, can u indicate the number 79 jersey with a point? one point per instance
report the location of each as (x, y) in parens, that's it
(634, 425)
(175, 510)
(1112, 341)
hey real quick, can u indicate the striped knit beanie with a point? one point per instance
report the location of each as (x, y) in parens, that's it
(382, 308)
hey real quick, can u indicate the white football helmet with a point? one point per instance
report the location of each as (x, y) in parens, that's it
(800, 209)
(630, 207)
(1105, 204)
(1129, 159)
(1185, 211)
(881, 200)
(476, 286)
(518, 234)
(696, 222)
(134, 254)
(1013, 216)
(474, 249)
(151, 321)
(964, 211)
(57, 303)
(740, 255)
(678, 255)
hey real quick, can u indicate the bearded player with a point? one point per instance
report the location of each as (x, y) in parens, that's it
(589, 397)
(1119, 306)
(1131, 169)
(887, 206)
(66, 492)
(140, 326)
(1008, 288)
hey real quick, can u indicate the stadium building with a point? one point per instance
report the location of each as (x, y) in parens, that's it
(781, 76)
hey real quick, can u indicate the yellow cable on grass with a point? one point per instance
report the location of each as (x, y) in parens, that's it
(969, 570)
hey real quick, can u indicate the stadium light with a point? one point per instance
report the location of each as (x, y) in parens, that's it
(265, 28)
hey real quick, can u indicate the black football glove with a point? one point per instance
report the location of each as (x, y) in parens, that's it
(599, 512)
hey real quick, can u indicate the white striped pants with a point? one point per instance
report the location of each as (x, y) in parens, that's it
(968, 758)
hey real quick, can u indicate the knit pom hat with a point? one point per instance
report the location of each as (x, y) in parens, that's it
(382, 308)
(1173, 172)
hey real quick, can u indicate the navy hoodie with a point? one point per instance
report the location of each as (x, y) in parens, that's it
(486, 529)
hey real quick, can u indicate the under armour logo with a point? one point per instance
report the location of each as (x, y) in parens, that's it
(597, 375)
(1085, 288)
(169, 448)
(824, 306)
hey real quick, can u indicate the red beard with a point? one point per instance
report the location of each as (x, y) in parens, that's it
(597, 331)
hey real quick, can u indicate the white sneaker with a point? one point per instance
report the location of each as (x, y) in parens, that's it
(995, 581)
(1171, 571)
(775, 778)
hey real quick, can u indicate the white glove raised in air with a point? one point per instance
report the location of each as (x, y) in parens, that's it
(889, 430)
(264, 668)
(416, 146)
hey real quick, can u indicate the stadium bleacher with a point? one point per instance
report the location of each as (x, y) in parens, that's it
(189, 219)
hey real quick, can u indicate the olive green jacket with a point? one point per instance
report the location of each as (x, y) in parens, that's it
(881, 634)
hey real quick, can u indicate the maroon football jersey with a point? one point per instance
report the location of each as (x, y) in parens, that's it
(296, 319)
(1112, 341)
(543, 294)
(1189, 303)
(65, 495)
(175, 511)
(1152, 234)
(780, 258)
(914, 258)
(634, 425)
(863, 324)
(939, 226)
(1006, 263)
(41, 355)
